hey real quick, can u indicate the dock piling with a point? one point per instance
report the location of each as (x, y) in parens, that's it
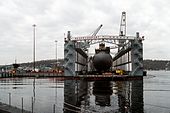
(9, 99)
(54, 108)
(22, 102)
(32, 105)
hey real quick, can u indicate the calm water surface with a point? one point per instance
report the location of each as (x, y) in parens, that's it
(152, 95)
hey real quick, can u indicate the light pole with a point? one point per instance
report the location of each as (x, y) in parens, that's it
(56, 57)
(56, 69)
(34, 26)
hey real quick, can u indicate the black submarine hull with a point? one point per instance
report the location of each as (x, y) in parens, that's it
(102, 61)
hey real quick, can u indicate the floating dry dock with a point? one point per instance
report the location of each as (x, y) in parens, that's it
(128, 56)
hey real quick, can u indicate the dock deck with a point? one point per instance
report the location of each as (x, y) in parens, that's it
(105, 77)
(111, 77)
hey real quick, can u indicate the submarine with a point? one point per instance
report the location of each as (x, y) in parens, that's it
(102, 60)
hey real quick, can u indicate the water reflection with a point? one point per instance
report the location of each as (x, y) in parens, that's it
(79, 96)
(71, 96)
(137, 97)
(103, 96)
(102, 91)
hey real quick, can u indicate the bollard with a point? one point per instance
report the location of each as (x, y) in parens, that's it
(22, 102)
(32, 104)
(54, 108)
(10, 99)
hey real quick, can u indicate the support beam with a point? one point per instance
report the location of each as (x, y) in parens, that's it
(69, 57)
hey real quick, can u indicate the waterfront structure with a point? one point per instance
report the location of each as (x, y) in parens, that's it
(129, 56)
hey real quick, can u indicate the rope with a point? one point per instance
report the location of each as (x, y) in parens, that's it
(72, 105)
(71, 110)
(76, 107)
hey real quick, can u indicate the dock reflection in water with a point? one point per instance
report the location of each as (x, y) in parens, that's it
(103, 96)
(72, 96)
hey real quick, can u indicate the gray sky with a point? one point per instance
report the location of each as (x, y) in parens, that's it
(55, 17)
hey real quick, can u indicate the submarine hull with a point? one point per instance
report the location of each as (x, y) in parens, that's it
(102, 61)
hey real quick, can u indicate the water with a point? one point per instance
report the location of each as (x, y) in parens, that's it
(157, 92)
(148, 96)
(45, 93)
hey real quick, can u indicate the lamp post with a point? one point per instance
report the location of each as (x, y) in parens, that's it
(56, 57)
(56, 69)
(34, 26)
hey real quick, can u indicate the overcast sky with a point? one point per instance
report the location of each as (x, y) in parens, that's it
(55, 17)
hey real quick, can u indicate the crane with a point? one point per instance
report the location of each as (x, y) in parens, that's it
(122, 31)
(97, 30)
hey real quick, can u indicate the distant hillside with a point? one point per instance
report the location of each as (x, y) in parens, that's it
(156, 64)
(46, 63)
(148, 64)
